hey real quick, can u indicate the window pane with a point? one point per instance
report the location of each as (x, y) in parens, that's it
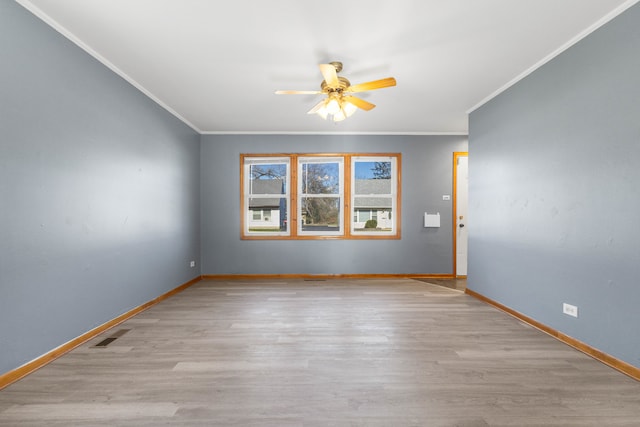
(372, 177)
(268, 178)
(320, 178)
(320, 214)
(320, 202)
(373, 196)
(381, 213)
(267, 215)
(266, 195)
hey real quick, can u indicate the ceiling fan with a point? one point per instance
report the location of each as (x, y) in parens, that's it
(339, 103)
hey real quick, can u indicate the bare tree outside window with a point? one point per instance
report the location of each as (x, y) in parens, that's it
(320, 202)
(381, 170)
(277, 171)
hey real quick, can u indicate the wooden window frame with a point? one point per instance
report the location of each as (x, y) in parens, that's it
(245, 233)
(346, 198)
(393, 195)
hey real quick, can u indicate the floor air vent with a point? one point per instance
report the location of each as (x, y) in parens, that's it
(105, 342)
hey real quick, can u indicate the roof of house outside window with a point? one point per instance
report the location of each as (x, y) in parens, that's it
(266, 186)
(366, 191)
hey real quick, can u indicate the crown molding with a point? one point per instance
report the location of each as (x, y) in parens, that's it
(331, 133)
(599, 23)
(72, 37)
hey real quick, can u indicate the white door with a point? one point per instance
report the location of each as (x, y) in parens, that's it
(461, 200)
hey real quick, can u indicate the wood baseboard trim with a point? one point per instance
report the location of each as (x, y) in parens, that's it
(24, 370)
(605, 358)
(323, 276)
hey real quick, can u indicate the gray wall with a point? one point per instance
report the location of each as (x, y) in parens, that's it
(426, 176)
(99, 192)
(554, 194)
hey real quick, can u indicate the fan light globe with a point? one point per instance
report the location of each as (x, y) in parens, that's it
(349, 108)
(339, 116)
(333, 106)
(322, 113)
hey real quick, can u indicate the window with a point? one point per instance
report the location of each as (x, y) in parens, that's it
(266, 196)
(318, 196)
(321, 200)
(373, 194)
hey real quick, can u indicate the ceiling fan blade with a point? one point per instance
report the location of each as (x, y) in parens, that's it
(330, 75)
(297, 92)
(376, 84)
(317, 107)
(360, 103)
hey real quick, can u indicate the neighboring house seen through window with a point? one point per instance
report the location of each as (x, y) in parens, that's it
(266, 196)
(318, 196)
(374, 195)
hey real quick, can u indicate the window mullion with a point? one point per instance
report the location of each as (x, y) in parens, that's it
(347, 196)
(293, 188)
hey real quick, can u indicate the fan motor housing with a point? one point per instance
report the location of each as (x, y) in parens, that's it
(344, 83)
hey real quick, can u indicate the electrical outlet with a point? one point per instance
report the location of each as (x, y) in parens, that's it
(192, 264)
(569, 309)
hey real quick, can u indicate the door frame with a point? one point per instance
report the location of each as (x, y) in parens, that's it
(456, 156)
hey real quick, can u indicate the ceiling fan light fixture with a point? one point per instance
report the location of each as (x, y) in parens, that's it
(320, 109)
(333, 105)
(339, 116)
(322, 113)
(348, 108)
(340, 103)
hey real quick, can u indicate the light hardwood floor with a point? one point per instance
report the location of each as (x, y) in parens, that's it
(384, 352)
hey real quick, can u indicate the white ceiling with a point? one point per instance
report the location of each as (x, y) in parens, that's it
(216, 64)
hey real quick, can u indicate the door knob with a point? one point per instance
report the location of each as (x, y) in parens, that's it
(461, 225)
